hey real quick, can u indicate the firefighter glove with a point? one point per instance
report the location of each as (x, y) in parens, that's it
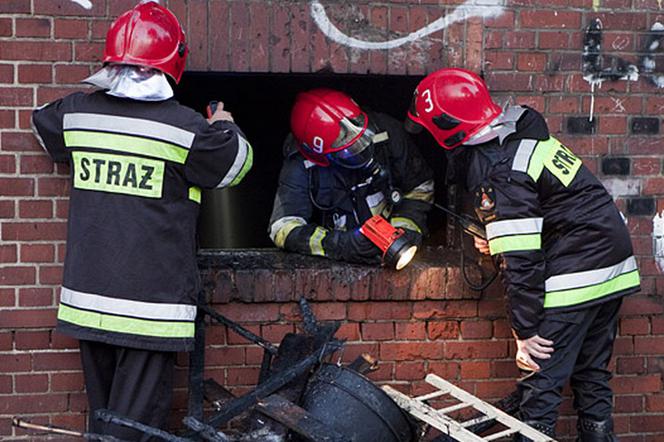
(352, 246)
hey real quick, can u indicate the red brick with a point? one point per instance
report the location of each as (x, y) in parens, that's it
(34, 231)
(31, 383)
(276, 332)
(519, 40)
(63, 342)
(5, 386)
(377, 331)
(197, 31)
(35, 209)
(5, 27)
(225, 356)
(653, 186)
(504, 20)
(554, 40)
(6, 341)
(410, 331)
(239, 39)
(409, 371)
(14, 363)
(647, 345)
(8, 253)
(629, 404)
(35, 297)
(384, 310)
(279, 52)
(242, 376)
(7, 164)
(260, 32)
(67, 381)
(634, 326)
(57, 361)
(635, 385)
(17, 276)
(648, 423)
(33, 27)
(443, 329)
(15, 6)
(19, 141)
(531, 62)
(655, 402)
(646, 166)
(411, 351)
(70, 28)
(48, 7)
(349, 331)
(35, 51)
(31, 253)
(541, 18)
(475, 369)
(27, 340)
(35, 73)
(7, 117)
(445, 310)
(50, 275)
(475, 349)
(7, 297)
(631, 365)
(613, 125)
(476, 329)
(34, 403)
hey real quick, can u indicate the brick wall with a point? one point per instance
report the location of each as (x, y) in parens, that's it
(530, 51)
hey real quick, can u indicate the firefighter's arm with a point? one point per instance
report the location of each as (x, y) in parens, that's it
(292, 228)
(47, 127)
(515, 235)
(221, 156)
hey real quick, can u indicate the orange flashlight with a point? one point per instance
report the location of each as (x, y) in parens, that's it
(397, 250)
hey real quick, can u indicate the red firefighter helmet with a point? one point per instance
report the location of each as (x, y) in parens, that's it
(453, 105)
(148, 35)
(329, 126)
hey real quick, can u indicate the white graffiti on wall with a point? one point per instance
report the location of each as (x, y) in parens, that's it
(658, 239)
(469, 9)
(87, 4)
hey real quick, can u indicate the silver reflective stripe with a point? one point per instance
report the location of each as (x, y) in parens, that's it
(589, 277)
(129, 126)
(523, 154)
(513, 227)
(126, 307)
(242, 151)
(283, 226)
(380, 137)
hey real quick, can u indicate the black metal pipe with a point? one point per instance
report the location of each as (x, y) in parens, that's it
(237, 328)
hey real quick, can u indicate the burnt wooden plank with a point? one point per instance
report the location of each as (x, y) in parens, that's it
(298, 420)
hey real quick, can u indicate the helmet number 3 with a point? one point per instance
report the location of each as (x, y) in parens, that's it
(318, 144)
(427, 98)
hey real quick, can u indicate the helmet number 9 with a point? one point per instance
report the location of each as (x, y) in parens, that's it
(318, 144)
(427, 98)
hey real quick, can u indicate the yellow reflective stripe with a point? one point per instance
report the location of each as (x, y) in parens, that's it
(557, 159)
(121, 324)
(127, 144)
(195, 194)
(580, 295)
(248, 163)
(423, 192)
(284, 230)
(316, 241)
(105, 172)
(406, 223)
(515, 243)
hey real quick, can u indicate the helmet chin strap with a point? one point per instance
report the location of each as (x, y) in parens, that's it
(501, 127)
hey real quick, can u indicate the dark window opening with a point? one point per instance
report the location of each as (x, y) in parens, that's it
(238, 217)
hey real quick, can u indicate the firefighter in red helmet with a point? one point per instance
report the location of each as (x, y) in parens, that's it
(342, 166)
(138, 163)
(564, 252)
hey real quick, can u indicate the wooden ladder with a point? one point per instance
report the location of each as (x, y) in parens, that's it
(459, 430)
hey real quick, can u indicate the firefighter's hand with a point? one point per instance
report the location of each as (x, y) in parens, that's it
(352, 246)
(220, 114)
(535, 346)
(482, 245)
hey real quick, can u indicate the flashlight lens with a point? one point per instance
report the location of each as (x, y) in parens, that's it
(406, 257)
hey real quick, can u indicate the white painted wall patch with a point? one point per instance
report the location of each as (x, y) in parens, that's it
(658, 239)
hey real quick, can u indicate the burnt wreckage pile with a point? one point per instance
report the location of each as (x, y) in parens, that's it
(299, 397)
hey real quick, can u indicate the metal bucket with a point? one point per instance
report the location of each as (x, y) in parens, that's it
(354, 406)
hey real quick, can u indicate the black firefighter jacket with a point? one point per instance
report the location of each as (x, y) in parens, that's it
(561, 241)
(137, 169)
(313, 200)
